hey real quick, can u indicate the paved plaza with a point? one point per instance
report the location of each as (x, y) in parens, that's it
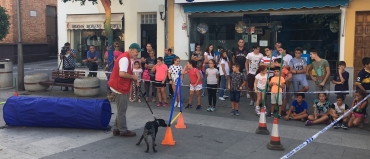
(208, 135)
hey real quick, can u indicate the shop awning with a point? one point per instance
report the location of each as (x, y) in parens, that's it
(264, 5)
(92, 21)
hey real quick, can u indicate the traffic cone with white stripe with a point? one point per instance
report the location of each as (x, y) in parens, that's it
(262, 127)
(274, 143)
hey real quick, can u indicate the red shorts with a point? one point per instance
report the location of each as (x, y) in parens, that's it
(358, 115)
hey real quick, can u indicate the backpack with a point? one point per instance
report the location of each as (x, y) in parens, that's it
(200, 73)
(146, 75)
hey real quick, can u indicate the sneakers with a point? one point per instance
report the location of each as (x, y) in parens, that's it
(128, 133)
(269, 115)
(279, 116)
(344, 126)
(225, 96)
(213, 109)
(236, 112)
(203, 94)
(188, 106)
(159, 104)
(309, 123)
(337, 125)
(199, 107)
(248, 96)
(208, 109)
(176, 104)
(232, 112)
(221, 98)
(251, 103)
(258, 112)
(165, 104)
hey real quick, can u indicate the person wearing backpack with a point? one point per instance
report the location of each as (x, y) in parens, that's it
(195, 77)
(224, 74)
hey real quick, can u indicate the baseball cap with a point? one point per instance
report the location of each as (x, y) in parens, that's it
(135, 46)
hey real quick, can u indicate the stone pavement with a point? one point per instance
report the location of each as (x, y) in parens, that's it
(208, 135)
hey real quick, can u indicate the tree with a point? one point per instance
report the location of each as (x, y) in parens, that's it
(108, 11)
(4, 23)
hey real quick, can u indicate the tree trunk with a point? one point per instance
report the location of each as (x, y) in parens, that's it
(108, 31)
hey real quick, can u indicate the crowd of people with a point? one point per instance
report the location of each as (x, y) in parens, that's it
(257, 74)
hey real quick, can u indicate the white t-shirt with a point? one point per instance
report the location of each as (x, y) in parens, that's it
(209, 55)
(286, 59)
(254, 62)
(123, 66)
(174, 70)
(261, 81)
(212, 75)
(227, 69)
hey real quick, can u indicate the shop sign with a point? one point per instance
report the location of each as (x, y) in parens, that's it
(92, 26)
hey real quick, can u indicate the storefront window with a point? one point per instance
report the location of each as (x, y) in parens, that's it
(83, 39)
(320, 31)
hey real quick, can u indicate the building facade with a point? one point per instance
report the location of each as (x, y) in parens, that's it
(139, 21)
(337, 28)
(38, 30)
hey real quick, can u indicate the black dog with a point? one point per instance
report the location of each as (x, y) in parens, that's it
(151, 128)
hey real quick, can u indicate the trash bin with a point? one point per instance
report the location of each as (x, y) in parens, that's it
(6, 73)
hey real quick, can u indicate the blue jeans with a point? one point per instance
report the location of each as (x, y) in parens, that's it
(204, 80)
(222, 86)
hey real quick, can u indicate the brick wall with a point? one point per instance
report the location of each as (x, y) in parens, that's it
(33, 28)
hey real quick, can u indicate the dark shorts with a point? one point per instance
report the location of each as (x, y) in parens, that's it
(159, 84)
(235, 96)
(251, 79)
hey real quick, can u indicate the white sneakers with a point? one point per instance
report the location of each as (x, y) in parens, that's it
(221, 98)
(258, 112)
(251, 103)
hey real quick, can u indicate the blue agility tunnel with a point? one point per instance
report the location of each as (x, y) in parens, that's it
(57, 112)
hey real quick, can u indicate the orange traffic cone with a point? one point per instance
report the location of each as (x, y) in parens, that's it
(262, 127)
(168, 138)
(274, 143)
(180, 122)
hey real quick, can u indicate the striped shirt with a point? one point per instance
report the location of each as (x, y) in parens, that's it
(266, 60)
(168, 59)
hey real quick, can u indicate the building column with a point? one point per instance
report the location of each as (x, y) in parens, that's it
(342, 33)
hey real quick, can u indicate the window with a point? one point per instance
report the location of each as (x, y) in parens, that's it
(149, 18)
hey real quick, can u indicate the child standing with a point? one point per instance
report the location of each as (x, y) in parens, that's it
(136, 85)
(173, 76)
(358, 113)
(260, 87)
(298, 110)
(224, 74)
(320, 110)
(160, 78)
(235, 85)
(337, 109)
(276, 91)
(195, 82)
(212, 80)
(287, 77)
(340, 79)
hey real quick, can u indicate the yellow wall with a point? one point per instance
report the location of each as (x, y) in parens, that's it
(170, 23)
(354, 6)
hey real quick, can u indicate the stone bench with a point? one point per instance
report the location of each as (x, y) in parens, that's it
(32, 82)
(86, 86)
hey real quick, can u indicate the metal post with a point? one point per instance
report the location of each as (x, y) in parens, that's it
(20, 51)
(165, 25)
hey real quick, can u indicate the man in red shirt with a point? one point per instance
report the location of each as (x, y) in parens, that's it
(120, 83)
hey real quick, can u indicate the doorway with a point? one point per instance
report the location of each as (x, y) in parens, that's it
(52, 30)
(362, 40)
(149, 35)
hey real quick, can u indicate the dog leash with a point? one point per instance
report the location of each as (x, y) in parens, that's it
(141, 95)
